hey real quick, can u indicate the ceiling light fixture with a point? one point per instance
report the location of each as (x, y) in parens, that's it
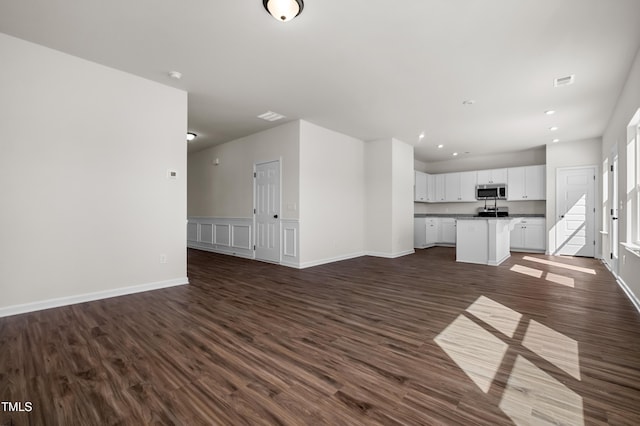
(555, 140)
(455, 154)
(554, 128)
(550, 112)
(176, 75)
(271, 116)
(421, 136)
(440, 146)
(191, 136)
(283, 10)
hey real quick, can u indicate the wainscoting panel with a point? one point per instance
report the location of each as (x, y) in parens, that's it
(232, 236)
(289, 243)
(222, 235)
(241, 236)
(206, 233)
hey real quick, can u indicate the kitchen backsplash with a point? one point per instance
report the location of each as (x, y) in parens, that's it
(515, 207)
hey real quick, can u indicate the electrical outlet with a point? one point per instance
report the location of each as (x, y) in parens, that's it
(163, 258)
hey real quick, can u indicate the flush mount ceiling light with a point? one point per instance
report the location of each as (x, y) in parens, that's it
(421, 136)
(553, 129)
(550, 112)
(191, 136)
(440, 146)
(283, 10)
(455, 154)
(555, 140)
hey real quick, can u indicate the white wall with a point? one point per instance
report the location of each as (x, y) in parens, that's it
(571, 154)
(332, 195)
(87, 208)
(226, 190)
(464, 163)
(616, 134)
(389, 204)
(402, 197)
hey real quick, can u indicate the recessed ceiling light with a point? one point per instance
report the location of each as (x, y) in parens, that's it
(191, 136)
(468, 102)
(421, 136)
(554, 128)
(555, 140)
(550, 112)
(440, 146)
(176, 75)
(455, 154)
(271, 116)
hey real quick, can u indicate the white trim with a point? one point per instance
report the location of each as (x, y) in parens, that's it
(330, 260)
(629, 293)
(389, 255)
(632, 248)
(498, 262)
(89, 297)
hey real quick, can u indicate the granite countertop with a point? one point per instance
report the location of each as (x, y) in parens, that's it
(473, 216)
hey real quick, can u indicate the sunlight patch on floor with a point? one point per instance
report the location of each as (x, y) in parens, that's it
(560, 279)
(536, 273)
(476, 351)
(561, 265)
(534, 397)
(557, 348)
(498, 316)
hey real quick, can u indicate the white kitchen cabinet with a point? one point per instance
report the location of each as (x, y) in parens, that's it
(432, 226)
(447, 230)
(491, 176)
(431, 188)
(460, 186)
(419, 232)
(420, 187)
(526, 183)
(468, 181)
(425, 231)
(452, 187)
(529, 235)
(439, 184)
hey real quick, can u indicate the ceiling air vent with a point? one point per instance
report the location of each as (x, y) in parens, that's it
(564, 81)
(271, 116)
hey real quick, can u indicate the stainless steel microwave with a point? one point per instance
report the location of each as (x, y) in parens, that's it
(493, 191)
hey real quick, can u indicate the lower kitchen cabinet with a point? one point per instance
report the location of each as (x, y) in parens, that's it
(425, 231)
(529, 235)
(447, 230)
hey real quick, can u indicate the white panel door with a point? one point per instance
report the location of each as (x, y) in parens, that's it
(575, 205)
(267, 210)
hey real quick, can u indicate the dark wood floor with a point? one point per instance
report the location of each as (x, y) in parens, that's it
(415, 340)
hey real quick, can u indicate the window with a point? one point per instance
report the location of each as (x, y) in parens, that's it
(632, 205)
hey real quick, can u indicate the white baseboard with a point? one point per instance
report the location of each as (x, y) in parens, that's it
(389, 255)
(89, 297)
(632, 297)
(329, 260)
(629, 293)
(229, 251)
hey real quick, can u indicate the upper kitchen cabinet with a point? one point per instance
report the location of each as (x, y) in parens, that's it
(526, 183)
(420, 188)
(491, 176)
(439, 184)
(424, 188)
(460, 186)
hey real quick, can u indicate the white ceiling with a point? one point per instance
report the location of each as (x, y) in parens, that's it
(367, 68)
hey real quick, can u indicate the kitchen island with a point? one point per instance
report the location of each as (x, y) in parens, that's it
(484, 240)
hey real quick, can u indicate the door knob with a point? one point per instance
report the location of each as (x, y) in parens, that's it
(561, 216)
(275, 216)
